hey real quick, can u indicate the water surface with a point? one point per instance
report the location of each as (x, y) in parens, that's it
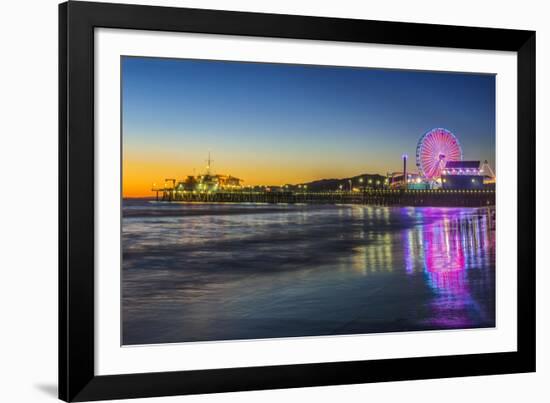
(203, 272)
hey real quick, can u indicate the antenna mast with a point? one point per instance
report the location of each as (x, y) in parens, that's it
(209, 163)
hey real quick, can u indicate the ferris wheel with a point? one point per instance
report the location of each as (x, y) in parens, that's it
(434, 149)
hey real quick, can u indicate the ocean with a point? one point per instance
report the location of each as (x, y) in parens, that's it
(207, 272)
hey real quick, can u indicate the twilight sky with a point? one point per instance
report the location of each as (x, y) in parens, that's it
(275, 123)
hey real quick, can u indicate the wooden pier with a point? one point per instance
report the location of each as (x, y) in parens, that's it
(382, 197)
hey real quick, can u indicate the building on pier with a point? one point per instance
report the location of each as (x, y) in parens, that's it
(462, 175)
(414, 181)
(203, 183)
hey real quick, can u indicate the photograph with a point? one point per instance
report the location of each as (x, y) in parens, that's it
(269, 200)
(275, 201)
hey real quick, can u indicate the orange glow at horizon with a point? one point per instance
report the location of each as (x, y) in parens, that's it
(141, 170)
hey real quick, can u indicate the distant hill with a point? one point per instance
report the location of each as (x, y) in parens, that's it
(334, 184)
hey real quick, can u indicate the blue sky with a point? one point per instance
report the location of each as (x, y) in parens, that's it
(308, 120)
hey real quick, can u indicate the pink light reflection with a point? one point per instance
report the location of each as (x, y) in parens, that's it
(445, 269)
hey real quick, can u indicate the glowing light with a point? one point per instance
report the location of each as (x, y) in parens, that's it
(435, 148)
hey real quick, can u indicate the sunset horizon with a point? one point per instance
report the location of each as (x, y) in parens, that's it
(274, 124)
(274, 175)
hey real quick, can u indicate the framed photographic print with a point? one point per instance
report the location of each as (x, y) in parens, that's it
(254, 201)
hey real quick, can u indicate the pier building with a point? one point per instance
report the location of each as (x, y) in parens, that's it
(462, 175)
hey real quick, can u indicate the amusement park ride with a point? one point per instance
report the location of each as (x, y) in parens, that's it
(434, 149)
(440, 164)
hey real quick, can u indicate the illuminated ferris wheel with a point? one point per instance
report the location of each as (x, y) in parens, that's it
(434, 149)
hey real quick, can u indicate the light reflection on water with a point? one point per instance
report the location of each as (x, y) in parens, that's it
(244, 271)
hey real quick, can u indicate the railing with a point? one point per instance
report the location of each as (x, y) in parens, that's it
(386, 197)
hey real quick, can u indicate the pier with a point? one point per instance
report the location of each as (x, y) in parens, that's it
(382, 197)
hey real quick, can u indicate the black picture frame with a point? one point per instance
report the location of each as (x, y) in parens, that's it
(77, 379)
